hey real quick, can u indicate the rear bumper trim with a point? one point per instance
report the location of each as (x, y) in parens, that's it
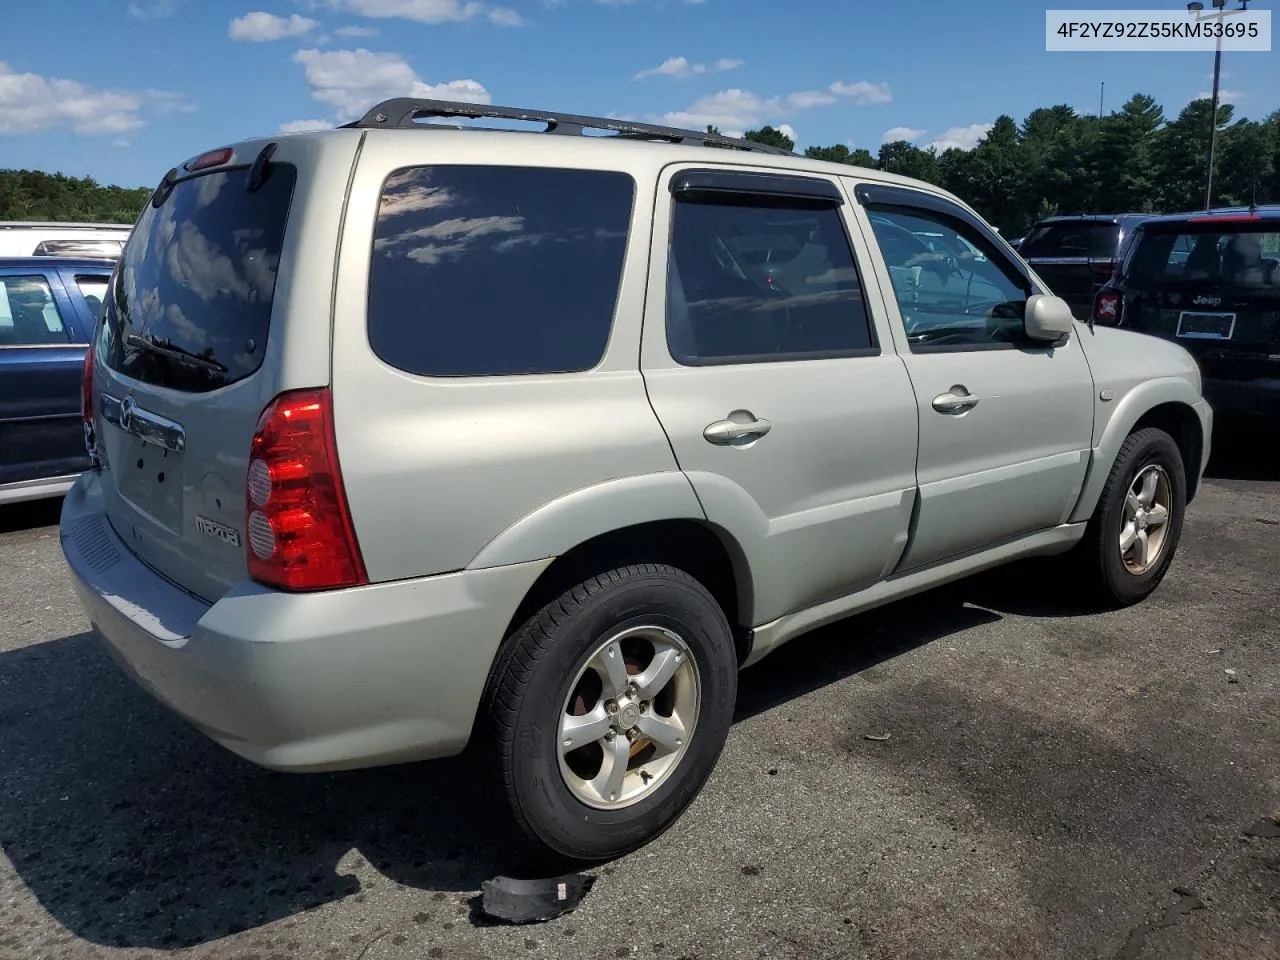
(333, 680)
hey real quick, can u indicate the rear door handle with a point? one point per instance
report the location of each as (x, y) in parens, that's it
(957, 400)
(731, 432)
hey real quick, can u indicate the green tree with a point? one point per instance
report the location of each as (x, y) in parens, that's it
(771, 137)
(842, 154)
(908, 160)
(35, 195)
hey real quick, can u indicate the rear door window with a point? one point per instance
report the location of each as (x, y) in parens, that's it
(756, 279)
(28, 314)
(497, 270)
(191, 308)
(1071, 238)
(94, 291)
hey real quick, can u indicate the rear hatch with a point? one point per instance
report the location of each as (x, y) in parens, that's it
(1074, 257)
(186, 361)
(1212, 284)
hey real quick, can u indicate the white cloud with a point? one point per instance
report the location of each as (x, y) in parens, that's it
(356, 31)
(352, 81)
(738, 110)
(259, 27)
(901, 133)
(863, 92)
(305, 126)
(431, 11)
(152, 9)
(681, 69)
(121, 143)
(788, 131)
(965, 138)
(30, 102)
(1224, 96)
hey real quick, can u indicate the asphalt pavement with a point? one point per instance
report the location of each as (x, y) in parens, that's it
(1054, 785)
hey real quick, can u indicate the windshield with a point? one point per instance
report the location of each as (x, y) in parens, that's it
(1072, 238)
(1232, 256)
(191, 307)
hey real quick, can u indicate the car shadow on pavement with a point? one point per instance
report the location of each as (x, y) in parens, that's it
(133, 830)
(29, 515)
(1244, 450)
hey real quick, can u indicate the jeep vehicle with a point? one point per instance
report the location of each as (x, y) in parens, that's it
(1076, 254)
(1211, 282)
(412, 438)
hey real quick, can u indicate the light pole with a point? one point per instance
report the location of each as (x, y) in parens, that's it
(1195, 7)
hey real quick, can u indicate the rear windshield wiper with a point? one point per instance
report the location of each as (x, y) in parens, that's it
(166, 349)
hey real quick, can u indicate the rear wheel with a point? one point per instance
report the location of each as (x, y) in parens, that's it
(610, 708)
(1137, 524)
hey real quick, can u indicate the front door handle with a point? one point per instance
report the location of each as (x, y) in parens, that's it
(736, 432)
(956, 400)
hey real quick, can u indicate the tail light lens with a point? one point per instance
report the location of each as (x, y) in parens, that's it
(1106, 307)
(299, 525)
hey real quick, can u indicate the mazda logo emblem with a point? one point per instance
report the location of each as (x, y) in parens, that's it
(126, 413)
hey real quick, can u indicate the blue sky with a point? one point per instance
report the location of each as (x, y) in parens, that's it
(122, 89)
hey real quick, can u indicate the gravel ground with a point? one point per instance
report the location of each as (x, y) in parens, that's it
(1054, 785)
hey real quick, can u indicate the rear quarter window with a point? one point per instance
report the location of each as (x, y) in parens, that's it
(497, 270)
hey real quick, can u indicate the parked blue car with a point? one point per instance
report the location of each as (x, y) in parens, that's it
(48, 312)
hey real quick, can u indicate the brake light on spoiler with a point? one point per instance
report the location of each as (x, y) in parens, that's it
(214, 158)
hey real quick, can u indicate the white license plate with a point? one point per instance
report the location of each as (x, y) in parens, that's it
(1193, 325)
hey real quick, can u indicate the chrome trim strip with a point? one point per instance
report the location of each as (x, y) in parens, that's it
(146, 426)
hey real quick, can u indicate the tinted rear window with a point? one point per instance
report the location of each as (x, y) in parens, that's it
(191, 308)
(1229, 256)
(488, 270)
(1071, 238)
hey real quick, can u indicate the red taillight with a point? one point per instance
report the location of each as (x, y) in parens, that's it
(299, 527)
(1106, 306)
(214, 158)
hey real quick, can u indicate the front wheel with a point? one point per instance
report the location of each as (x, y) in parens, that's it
(1137, 524)
(610, 708)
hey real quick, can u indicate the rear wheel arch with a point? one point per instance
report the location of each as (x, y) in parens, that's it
(709, 554)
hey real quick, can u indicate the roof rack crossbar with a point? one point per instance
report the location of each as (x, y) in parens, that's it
(404, 112)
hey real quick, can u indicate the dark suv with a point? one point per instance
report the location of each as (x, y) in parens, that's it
(1077, 254)
(1211, 282)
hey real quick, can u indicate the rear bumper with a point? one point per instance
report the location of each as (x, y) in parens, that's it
(1244, 398)
(374, 675)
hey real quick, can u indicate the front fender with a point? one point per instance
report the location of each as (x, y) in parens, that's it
(1131, 408)
(558, 526)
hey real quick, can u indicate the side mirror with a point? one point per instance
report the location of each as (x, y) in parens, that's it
(1048, 318)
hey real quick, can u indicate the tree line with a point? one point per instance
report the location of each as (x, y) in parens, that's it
(35, 195)
(1060, 161)
(1055, 161)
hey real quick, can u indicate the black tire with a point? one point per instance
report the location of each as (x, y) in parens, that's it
(1110, 582)
(531, 682)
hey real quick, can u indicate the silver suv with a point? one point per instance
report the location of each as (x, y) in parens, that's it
(405, 442)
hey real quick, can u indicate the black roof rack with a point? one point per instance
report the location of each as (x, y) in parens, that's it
(404, 112)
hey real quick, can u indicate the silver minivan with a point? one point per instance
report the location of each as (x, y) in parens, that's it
(410, 437)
